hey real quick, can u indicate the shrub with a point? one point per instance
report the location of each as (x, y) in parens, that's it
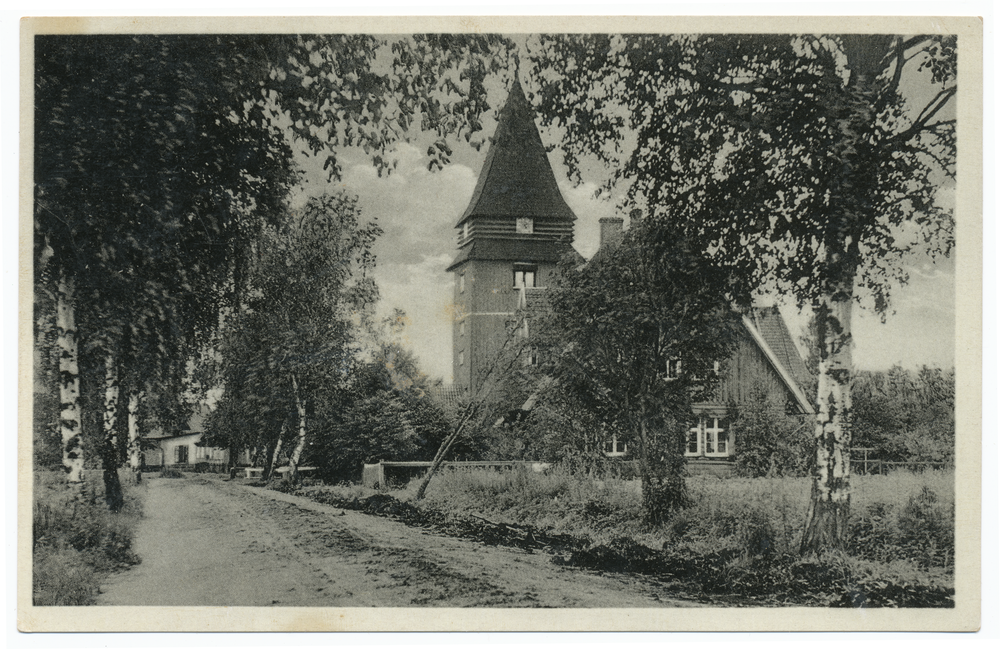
(921, 531)
(74, 542)
(739, 539)
(770, 443)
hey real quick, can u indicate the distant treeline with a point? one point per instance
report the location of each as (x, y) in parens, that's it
(905, 415)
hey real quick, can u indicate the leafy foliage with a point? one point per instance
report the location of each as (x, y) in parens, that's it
(906, 415)
(792, 157)
(74, 544)
(800, 161)
(160, 159)
(922, 531)
(385, 425)
(617, 322)
(770, 444)
(295, 341)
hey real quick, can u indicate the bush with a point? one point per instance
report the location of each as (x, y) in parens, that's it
(388, 425)
(922, 531)
(739, 539)
(770, 443)
(75, 542)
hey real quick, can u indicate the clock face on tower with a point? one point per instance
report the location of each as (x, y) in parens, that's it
(524, 226)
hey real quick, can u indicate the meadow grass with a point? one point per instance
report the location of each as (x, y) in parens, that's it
(737, 542)
(740, 537)
(75, 542)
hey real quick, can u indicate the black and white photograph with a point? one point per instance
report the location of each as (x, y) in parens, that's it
(654, 325)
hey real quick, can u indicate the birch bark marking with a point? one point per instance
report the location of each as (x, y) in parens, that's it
(300, 443)
(134, 439)
(69, 383)
(109, 448)
(277, 450)
(830, 503)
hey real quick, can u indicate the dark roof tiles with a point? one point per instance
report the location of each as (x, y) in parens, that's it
(775, 333)
(516, 179)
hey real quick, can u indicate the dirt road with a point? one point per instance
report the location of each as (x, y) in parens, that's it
(207, 542)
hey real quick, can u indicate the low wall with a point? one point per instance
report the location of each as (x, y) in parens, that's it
(717, 468)
(389, 475)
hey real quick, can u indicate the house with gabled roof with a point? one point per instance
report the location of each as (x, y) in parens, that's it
(511, 237)
(183, 447)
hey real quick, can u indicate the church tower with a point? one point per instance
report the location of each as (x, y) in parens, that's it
(511, 237)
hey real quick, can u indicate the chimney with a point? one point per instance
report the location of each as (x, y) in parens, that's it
(611, 232)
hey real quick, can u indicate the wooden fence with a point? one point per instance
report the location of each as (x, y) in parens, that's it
(862, 464)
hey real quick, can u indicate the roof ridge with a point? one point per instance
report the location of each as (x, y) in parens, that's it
(785, 373)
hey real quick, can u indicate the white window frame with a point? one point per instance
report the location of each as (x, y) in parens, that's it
(525, 272)
(674, 369)
(707, 432)
(719, 425)
(698, 439)
(618, 448)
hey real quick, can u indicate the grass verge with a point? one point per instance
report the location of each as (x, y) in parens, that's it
(75, 543)
(736, 545)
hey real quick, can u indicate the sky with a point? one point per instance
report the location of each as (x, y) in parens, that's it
(418, 210)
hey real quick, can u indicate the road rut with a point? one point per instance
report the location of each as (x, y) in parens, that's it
(209, 542)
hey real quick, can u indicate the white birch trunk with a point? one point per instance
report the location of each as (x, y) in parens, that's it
(300, 442)
(829, 506)
(109, 451)
(70, 425)
(277, 449)
(110, 400)
(134, 438)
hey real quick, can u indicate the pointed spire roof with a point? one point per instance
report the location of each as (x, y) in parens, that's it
(516, 179)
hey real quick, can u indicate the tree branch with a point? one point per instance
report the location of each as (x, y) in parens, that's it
(890, 90)
(929, 111)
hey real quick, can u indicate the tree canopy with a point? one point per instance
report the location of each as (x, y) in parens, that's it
(809, 162)
(620, 327)
(797, 157)
(160, 158)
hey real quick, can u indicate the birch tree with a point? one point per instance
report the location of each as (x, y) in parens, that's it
(170, 152)
(810, 161)
(133, 197)
(309, 293)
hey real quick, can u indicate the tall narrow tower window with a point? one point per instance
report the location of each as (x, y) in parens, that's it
(461, 283)
(524, 225)
(524, 276)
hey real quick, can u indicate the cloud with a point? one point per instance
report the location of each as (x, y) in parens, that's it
(416, 208)
(424, 291)
(589, 211)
